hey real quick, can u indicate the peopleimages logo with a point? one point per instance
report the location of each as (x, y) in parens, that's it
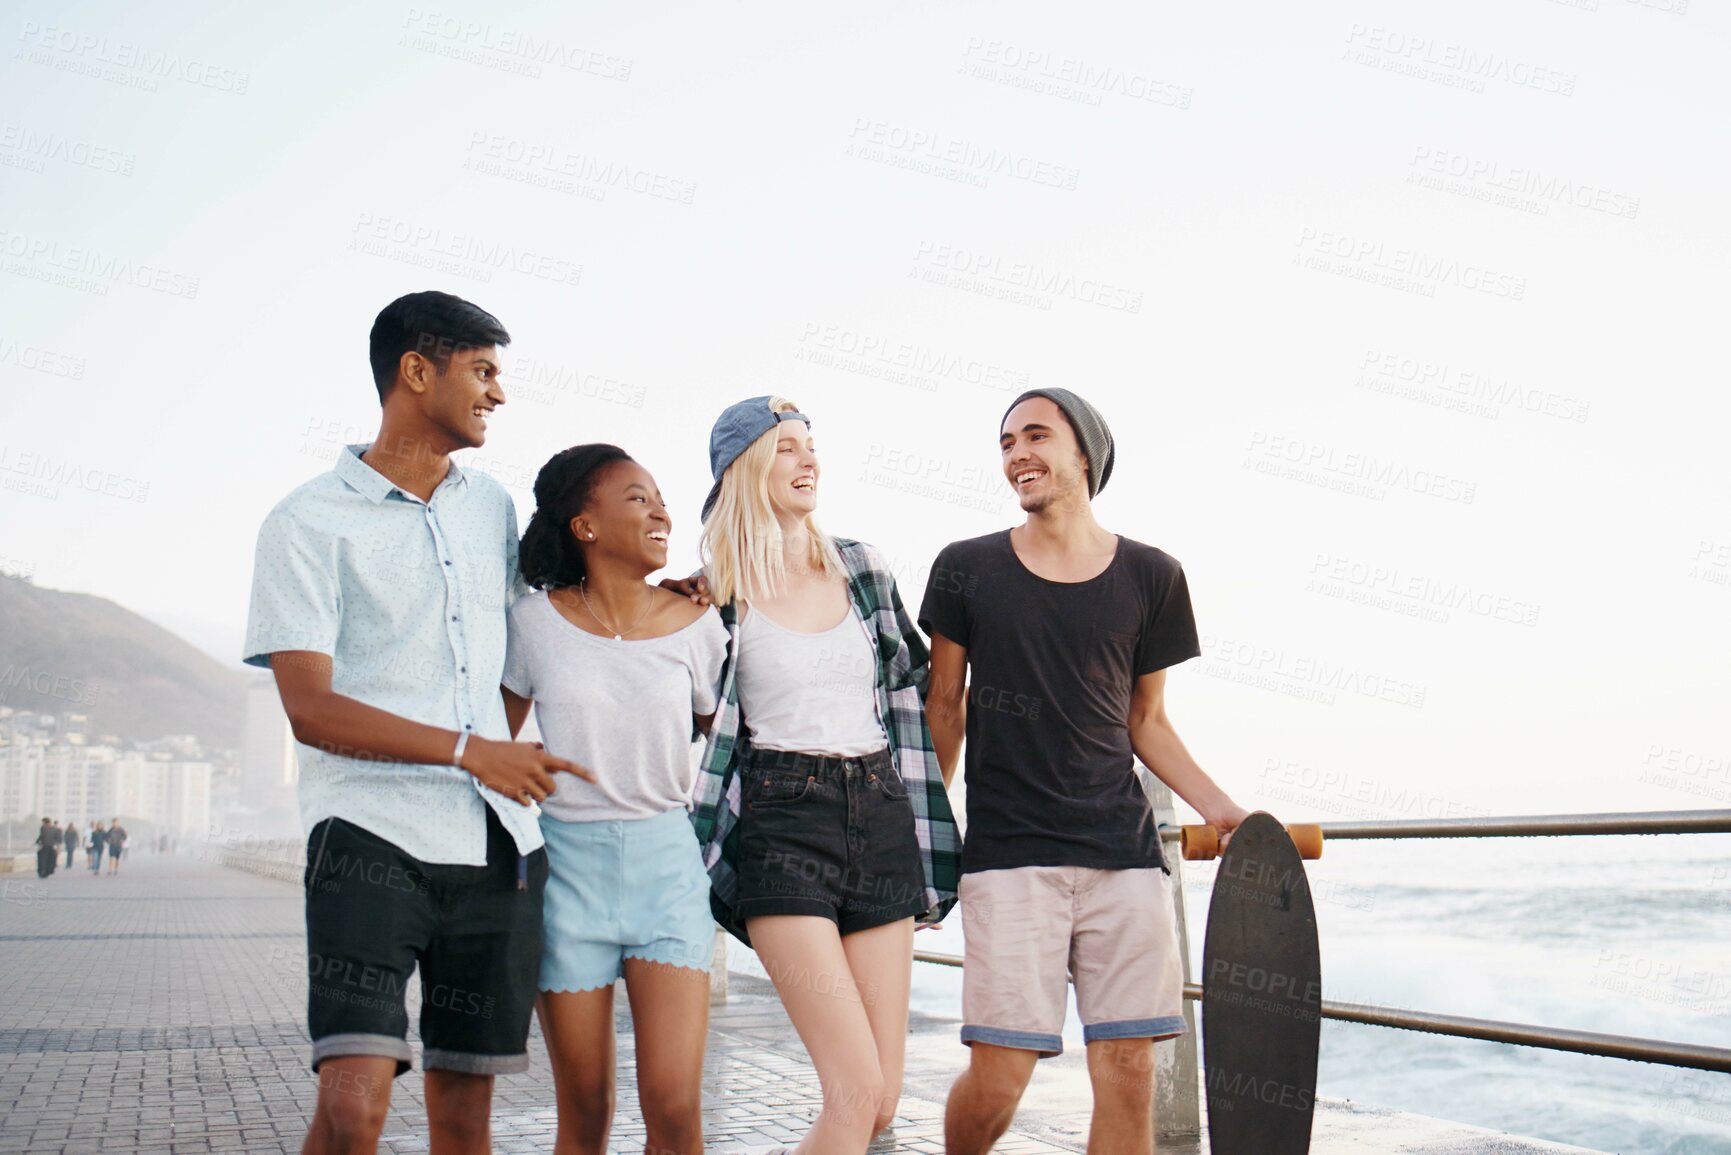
(85, 51)
(884, 141)
(1425, 57)
(38, 147)
(1423, 267)
(463, 253)
(1068, 77)
(544, 163)
(1519, 180)
(990, 269)
(46, 468)
(86, 268)
(1391, 371)
(1302, 459)
(505, 48)
(1225, 657)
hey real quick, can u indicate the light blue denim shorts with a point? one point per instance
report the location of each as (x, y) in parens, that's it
(622, 889)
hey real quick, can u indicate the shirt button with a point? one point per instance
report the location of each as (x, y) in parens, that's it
(453, 617)
(447, 561)
(463, 670)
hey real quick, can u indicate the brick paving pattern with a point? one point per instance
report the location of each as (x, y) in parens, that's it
(163, 1010)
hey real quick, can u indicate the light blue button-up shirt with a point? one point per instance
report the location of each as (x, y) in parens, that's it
(409, 600)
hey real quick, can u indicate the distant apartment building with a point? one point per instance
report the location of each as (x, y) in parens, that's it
(49, 765)
(267, 755)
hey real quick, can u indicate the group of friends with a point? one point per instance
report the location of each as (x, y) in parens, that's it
(411, 632)
(50, 838)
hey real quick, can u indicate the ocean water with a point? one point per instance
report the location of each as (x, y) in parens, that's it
(1618, 935)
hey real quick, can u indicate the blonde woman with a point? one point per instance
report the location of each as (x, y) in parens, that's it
(823, 817)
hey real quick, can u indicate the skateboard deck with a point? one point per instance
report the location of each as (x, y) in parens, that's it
(1261, 996)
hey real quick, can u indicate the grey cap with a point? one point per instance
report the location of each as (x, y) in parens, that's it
(735, 430)
(1090, 429)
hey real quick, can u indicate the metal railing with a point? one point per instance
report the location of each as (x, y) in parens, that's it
(1690, 1055)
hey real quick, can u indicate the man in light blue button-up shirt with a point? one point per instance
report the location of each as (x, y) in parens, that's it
(379, 600)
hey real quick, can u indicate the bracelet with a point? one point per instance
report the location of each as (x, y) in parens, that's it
(462, 744)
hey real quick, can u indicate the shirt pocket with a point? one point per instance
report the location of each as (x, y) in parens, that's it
(1111, 658)
(765, 791)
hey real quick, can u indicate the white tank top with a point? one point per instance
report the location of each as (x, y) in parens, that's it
(810, 692)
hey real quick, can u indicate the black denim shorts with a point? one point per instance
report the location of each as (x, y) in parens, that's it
(374, 914)
(830, 837)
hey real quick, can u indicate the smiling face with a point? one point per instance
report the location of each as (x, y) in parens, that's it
(448, 400)
(1042, 460)
(624, 519)
(466, 394)
(793, 472)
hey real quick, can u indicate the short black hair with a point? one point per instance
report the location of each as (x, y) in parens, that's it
(433, 324)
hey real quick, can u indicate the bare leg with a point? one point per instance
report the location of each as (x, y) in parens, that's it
(882, 961)
(578, 1028)
(459, 1113)
(983, 1101)
(1122, 1072)
(670, 1019)
(803, 955)
(354, 1097)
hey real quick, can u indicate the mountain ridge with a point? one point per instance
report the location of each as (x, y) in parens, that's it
(64, 652)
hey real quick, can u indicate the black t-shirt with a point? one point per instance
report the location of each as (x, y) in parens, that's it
(1050, 772)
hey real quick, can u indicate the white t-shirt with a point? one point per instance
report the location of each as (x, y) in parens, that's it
(621, 709)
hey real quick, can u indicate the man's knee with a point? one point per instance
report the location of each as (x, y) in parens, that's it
(997, 1076)
(1122, 1071)
(353, 1103)
(460, 1105)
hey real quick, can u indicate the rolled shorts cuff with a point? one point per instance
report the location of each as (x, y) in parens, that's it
(469, 1063)
(1047, 1045)
(764, 907)
(355, 1043)
(1164, 1027)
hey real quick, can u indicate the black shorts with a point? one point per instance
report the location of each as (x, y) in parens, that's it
(374, 914)
(830, 837)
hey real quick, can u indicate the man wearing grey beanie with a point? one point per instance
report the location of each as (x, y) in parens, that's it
(1050, 645)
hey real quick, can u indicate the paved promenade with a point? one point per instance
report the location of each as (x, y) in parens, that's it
(162, 1011)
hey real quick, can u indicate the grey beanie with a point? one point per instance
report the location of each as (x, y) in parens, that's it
(1090, 430)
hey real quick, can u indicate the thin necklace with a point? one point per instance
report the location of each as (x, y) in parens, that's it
(618, 636)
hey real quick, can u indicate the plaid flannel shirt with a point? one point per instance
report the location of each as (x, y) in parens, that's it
(903, 665)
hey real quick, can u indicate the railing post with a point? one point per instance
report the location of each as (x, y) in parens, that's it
(1177, 1095)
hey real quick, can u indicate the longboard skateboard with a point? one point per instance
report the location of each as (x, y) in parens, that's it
(1261, 989)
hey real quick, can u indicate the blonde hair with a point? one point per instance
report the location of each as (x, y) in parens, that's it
(742, 539)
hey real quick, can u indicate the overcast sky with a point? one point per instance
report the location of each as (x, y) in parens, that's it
(1408, 319)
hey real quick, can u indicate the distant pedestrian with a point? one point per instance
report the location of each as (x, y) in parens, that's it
(47, 848)
(162, 844)
(70, 839)
(116, 845)
(98, 840)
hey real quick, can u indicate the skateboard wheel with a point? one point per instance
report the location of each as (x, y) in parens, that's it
(1307, 836)
(1199, 843)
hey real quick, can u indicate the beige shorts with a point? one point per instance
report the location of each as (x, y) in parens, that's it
(1031, 928)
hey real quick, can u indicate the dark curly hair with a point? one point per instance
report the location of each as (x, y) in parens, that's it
(549, 556)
